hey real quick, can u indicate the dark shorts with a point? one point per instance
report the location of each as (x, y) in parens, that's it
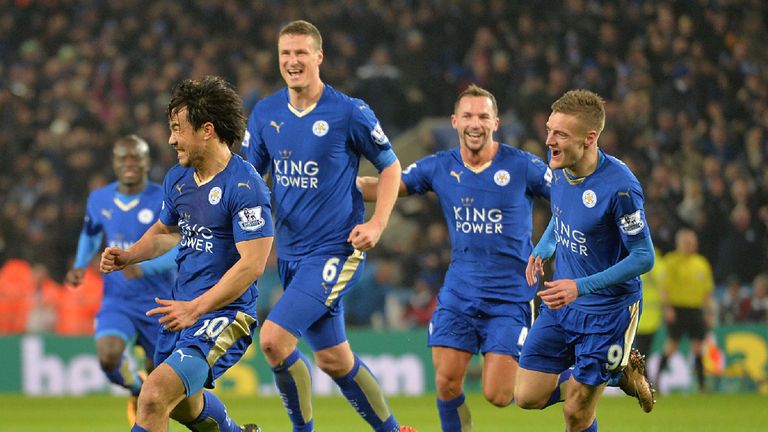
(688, 322)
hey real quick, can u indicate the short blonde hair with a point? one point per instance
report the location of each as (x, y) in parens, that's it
(475, 90)
(588, 106)
(301, 27)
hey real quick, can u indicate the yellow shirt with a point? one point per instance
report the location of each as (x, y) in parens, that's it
(651, 318)
(688, 281)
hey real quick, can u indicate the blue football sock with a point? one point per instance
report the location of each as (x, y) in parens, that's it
(213, 417)
(123, 376)
(362, 390)
(592, 427)
(137, 428)
(294, 381)
(558, 395)
(454, 414)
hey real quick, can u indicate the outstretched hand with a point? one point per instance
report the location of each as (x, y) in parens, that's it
(176, 315)
(559, 293)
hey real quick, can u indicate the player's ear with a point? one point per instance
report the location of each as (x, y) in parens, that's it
(591, 138)
(453, 120)
(209, 130)
(320, 57)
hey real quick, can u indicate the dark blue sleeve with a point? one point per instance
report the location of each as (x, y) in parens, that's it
(368, 137)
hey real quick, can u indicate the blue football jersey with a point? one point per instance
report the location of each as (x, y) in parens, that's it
(123, 224)
(593, 216)
(232, 207)
(313, 156)
(489, 218)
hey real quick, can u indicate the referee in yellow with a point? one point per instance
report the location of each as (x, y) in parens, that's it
(686, 296)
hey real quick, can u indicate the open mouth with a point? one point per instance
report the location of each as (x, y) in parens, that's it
(294, 73)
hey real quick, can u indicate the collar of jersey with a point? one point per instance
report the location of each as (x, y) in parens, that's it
(125, 206)
(479, 169)
(301, 113)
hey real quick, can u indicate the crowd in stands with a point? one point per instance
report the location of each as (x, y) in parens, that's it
(686, 85)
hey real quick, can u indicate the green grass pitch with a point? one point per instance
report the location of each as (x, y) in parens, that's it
(701, 413)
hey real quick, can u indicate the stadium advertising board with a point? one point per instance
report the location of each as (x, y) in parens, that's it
(52, 365)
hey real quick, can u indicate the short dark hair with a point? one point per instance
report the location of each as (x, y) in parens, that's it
(306, 28)
(210, 99)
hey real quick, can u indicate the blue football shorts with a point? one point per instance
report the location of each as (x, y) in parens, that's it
(597, 345)
(221, 337)
(311, 305)
(497, 327)
(127, 321)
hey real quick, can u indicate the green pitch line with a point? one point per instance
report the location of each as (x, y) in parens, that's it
(702, 413)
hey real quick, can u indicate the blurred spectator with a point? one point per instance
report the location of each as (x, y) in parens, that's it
(421, 304)
(742, 247)
(731, 307)
(364, 305)
(757, 305)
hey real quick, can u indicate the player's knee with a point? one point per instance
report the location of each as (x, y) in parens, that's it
(272, 350)
(333, 366)
(576, 417)
(448, 387)
(498, 398)
(151, 402)
(529, 401)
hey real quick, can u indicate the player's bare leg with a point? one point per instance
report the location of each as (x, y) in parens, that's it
(450, 370)
(580, 406)
(499, 372)
(534, 389)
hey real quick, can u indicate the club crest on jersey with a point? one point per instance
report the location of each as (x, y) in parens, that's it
(214, 196)
(378, 135)
(501, 177)
(320, 128)
(250, 219)
(632, 223)
(146, 216)
(589, 198)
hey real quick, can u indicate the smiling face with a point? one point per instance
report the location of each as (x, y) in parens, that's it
(475, 121)
(130, 160)
(300, 59)
(188, 142)
(567, 139)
